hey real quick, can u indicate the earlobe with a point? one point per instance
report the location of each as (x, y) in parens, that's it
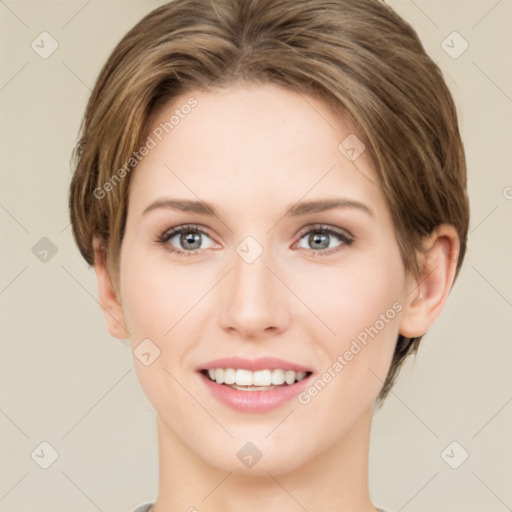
(426, 296)
(109, 301)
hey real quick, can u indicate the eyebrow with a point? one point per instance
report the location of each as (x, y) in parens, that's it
(302, 208)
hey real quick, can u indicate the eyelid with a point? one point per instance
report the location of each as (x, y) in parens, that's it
(325, 227)
(168, 233)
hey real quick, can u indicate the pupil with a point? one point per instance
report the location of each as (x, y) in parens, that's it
(320, 240)
(191, 238)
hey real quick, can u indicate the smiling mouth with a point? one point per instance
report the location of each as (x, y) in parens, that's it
(259, 380)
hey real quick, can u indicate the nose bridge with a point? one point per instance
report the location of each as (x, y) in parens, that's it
(253, 301)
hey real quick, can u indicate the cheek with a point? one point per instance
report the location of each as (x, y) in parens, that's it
(361, 307)
(156, 298)
(349, 299)
(156, 294)
(363, 311)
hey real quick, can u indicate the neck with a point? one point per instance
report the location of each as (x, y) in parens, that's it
(337, 477)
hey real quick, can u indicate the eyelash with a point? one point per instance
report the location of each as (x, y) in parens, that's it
(346, 239)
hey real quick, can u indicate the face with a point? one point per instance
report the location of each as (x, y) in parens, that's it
(253, 242)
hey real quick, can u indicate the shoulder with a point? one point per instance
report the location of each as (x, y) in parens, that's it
(146, 507)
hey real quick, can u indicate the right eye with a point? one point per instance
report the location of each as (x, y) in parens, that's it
(184, 240)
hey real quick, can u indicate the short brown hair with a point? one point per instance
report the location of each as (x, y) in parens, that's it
(357, 55)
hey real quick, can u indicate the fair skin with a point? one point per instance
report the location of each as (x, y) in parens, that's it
(252, 151)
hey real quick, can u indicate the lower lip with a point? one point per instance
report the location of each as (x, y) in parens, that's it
(254, 401)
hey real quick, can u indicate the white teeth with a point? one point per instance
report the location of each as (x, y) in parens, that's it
(289, 377)
(229, 376)
(219, 375)
(277, 377)
(300, 376)
(260, 378)
(243, 377)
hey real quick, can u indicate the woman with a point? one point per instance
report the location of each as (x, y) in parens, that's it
(273, 197)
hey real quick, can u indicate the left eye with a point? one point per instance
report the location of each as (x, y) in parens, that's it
(322, 238)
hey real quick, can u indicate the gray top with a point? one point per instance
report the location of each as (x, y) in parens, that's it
(146, 507)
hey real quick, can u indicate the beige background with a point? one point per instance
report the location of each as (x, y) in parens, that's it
(63, 380)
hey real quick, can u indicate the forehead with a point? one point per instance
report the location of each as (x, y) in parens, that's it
(252, 141)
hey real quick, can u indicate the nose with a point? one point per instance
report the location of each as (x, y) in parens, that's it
(254, 300)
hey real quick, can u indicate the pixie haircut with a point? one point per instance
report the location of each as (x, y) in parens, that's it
(358, 56)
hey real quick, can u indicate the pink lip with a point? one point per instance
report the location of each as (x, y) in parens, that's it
(262, 363)
(254, 401)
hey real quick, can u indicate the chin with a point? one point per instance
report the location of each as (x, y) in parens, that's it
(256, 458)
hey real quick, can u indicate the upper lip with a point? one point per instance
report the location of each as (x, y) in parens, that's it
(262, 363)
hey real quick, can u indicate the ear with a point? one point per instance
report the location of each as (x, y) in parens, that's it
(109, 301)
(426, 295)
